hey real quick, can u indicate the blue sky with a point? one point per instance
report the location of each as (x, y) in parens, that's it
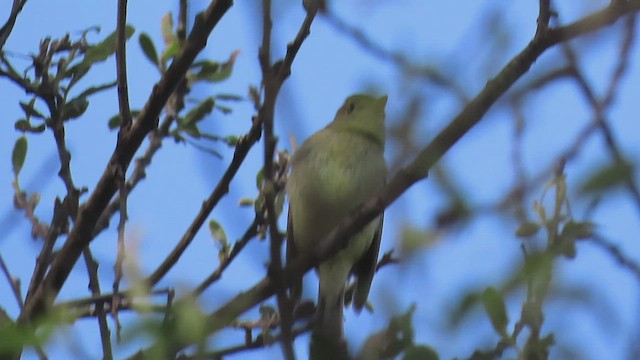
(452, 36)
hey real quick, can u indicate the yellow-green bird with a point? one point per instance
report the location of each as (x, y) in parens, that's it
(334, 171)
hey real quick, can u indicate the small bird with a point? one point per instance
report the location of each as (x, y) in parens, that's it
(333, 172)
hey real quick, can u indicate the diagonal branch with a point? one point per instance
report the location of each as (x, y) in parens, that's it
(6, 29)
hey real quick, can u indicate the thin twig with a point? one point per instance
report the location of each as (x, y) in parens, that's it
(125, 126)
(245, 143)
(249, 234)
(121, 66)
(266, 114)
(617, 253)
(253, 345)
(14, 283)
(94, 286)
(120, 249)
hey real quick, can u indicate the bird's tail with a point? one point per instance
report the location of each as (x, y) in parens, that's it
(326, 339)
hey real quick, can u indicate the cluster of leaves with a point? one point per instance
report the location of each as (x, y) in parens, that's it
(55, 71)
(535, 274)
(203, 71)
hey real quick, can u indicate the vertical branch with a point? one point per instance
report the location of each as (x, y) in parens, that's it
(121, 65)
(273, 76)
(267, 113)
(94, 286)
(125, 115)
(120, 255)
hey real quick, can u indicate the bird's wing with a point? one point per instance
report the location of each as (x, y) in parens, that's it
(292, 254)
(366, 268)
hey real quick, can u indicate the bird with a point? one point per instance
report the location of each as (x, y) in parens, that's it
(335, 170)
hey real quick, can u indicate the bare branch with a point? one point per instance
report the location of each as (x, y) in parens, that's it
(94, 285)
(6, 29)
(121, 64)
(249, 234)
(14, 283)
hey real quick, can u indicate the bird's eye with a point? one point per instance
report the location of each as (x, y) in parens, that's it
(350, 108)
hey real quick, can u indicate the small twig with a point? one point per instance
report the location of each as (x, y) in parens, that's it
(94, 286)
(220, 354)
(266, 114)
(125, 126)
(107, 299)
(58, 224)
(14, 283)
(617, 253)
(249, 234)
(120, 251)
(121, 66)
(600, 106)
(245, 143)
(21, 202)
(272, 79)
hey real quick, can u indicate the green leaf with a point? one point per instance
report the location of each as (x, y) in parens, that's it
(212, 71)
(30, 110)
(96, 89)
(115, 120)
(607, 177)
(229, 97)
(420, 352)
(95, 54)
(540, 210)
(231, 140)
(170, 52)
(77, 72)
(148, 48)
(244, 202)
(74, 108)
(260, 179)
(166, 27)
(225, 109)
(191, 129)
(25, 126)
(527, 229)
(190, 322)
(199, 112)
(413, 239)
(494, 305)
(574, 230)
(104, 49)
(217, 232)
(19, 154)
